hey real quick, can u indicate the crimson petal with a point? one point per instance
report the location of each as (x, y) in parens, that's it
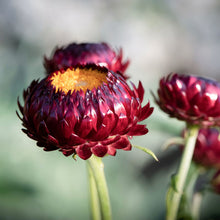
(84, 151)
(138, 130)
(122, 143)
(99, 150)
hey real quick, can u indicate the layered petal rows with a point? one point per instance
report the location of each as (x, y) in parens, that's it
(207, 148)
(195, 100)
(86, 53)
(96, 121)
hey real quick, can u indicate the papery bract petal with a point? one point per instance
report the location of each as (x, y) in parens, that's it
(99, 150)
(84, 151)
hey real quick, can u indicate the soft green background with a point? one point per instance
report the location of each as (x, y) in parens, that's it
(158, 37)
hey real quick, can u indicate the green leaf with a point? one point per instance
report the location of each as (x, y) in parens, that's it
(173, 182)
(173, 141)
(172, 189)
(151, 153)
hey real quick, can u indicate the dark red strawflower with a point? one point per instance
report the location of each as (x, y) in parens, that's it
(86, 53)
(195, 100)
(207, 148)
(84, 110)
(216, 182)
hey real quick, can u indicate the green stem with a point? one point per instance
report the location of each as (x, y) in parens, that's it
(185, 207)
(193, 174)
(197, 200)
(97, 168)
(94, 199)
(176, 189)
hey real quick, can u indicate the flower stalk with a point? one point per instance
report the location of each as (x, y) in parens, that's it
(177, 186)
(97, 171)
(94, 198)
(196, 204)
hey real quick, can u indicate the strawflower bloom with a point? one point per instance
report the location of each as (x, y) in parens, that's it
(193, 99)
(207, 148)
(216, 182)
(86, 53)
(84, 110)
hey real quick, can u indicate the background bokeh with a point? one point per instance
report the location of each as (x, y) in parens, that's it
(158, 36)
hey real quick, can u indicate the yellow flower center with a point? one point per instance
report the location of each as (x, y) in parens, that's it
(79, 78)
